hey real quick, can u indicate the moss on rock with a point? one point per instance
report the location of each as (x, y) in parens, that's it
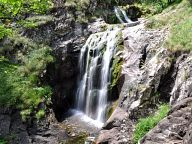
(116, 71)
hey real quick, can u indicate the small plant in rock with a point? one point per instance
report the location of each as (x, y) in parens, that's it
(4, 31)
(2, 141)
(144, 125)
(40, 114)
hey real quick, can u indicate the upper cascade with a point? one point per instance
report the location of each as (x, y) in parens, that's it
(121, 15)
(95, 63)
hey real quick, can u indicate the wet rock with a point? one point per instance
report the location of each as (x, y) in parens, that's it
(117, 134)
(116, 118)
(108, 136)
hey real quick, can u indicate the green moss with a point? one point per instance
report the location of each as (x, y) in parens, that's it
(116, 71)
(4, 31)
(144, 125)
(2, 141)
(111, 108)
(35, 21)
(22, 86)
(40, 114)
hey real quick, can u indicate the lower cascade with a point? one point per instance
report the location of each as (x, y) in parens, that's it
(96, 58)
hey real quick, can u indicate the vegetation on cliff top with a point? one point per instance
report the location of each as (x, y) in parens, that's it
(178, 18)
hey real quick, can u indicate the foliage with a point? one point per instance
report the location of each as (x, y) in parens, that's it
(144, 125)
(4, 31)
(78, 4)
(11, 8)
(2, 141)
(155, 6)
(35, 21)
(22, 86)
(40, 114)
(179, 19)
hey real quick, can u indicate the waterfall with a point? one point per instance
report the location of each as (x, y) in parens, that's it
(95, 73)
(120, 12)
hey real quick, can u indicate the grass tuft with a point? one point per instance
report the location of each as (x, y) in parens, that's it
(144, 125)
(178, 18)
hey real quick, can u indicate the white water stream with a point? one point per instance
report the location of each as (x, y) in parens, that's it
(121, 15)
(95, 73)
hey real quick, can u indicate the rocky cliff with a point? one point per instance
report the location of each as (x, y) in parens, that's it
(150, 75)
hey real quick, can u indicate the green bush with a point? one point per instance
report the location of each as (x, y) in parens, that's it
(2, 141)
(4, 31)
(35, 21)
(144, 125)
(13, 8)
(22, 87)
(156, 6)
(40, 114)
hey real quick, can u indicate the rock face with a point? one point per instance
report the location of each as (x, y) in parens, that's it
(146, 61)
(117, 129)
(149, 77)
(145, 64)
(12, 126)
(183, 82)
(176, 127)
(32, 132)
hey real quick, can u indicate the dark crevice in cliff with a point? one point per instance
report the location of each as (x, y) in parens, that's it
(144, 56)
(62, 78)
(167, 81)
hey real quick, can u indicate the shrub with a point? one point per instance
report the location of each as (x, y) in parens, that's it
(4, 31)
(2, 141)
(156, 6)
(144, 125)
(13, 8)
(40, 114)
(22, 87)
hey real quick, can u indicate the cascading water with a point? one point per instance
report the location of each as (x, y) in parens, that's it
(95, 73)
(120, 12)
